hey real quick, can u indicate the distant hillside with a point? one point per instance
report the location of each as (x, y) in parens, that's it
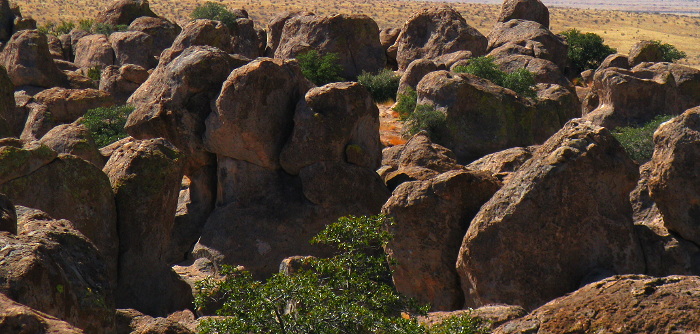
(619, 29)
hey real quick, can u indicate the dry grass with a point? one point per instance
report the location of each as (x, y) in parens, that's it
(619, 29)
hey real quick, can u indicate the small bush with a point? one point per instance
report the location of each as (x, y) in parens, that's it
(406, 103)
(94, 73)
(215, 11)
(59, 29)
(426, 118)
(586, 51)
(461, 324)
(521, 81)
(93, 27)
(320, 69)
(638, 141)
(106, 124)
(382, 86)
(670, 53)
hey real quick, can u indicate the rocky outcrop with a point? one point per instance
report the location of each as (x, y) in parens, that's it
(354, 38)
(563, 220)
(245, 38)
(621, 304)
(415, 71)
(504, 163)
(161, 30)
(274, 30)
(134, 47)
(146, 177)
(8, 111)
(16, 318)
(530, 10)
(124, 12)
(436, 31)
(645, 51)
(199, 33)
(130, 321)
(543, 70)
(74, 139)
(53, 268)
(121, 82)
(494, 315)
(387, 37)
(615, 60)
(94, 51)
(528, 38)
(28, 61)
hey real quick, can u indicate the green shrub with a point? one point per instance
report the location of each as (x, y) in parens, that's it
(215, 11)
(461, 324)
(382, 86)
(106, 124)
(86, 24)
(320, 69)
(521, 81)
(426, 118)
(586, 51)
(670, 53)
(92, 27)
(638, 141)
(94, 73)
(406, 103)
(59, 29)
(351, 292)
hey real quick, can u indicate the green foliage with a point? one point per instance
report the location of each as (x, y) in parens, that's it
(106, 124)
(406, 103)
(638, 141)
(351, 292)
(93, 27)
(57, 29)
(320, 69)
(670, 53)
(461, 324)
(382, 86)
(426, 118)
(215, 11)
(586, 51)
(521, 81)
(94, 73)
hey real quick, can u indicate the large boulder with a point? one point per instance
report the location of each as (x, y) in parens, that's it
(202, 33)
(563, 220)
(531, 10)
(543, 70)
(146, 177)
(130, 321)
(436, 31)
(16, 318)
(8, 111)
(74, 139)
(6, 20)
(414, 73)
(274, 30)
(620, 304)
(28, 61)
(94, 51)
(134, 47)
(53, 268)
(645, 51)
(245, 38)
(354, 38)
(121, 82)
(504, 163)
(529, 38)
(163, 31)
(123, 12)
(430, 219)
(268, 89)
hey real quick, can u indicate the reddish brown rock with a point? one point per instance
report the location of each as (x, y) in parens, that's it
(67, 105)
(354, 38)
(615, 60)
(531, 10)
(16, 318)
(274, 30)
(529, 38)
(563, 219)
(8, 216)
(124, 12)
(121, 82)
(94, 51)
(543, 70)
(321, 181)
(74, 139)
(495, 315)
(387, 37)
(430, 219)
(134, 47)
(130, 321)
(8, 111)
(245, 38)
(415, 71)
(504, 163)
(621, 304)
(202, 33)
(436, 31)
(645, 51)
(28, 61)
(6, 20)
(161, 30)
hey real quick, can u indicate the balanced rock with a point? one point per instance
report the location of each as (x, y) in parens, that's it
(529, 38)
(94, 51)
(645, 51)
(161, 30)
(134, 47)
(28, 61)
(530, 10)
(123, 12)
(199, 32)
(74, 139)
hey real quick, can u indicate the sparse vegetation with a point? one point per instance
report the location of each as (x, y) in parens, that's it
(406, 103)
(320, 69)
(521, 81)
(57, 29)
(94, 73)
(586, 50)
(426, 118)
(382, 86)
(638, 141)
(215, 11)
(670, 53)
(93, 27)
(461, 324)
(106, 124)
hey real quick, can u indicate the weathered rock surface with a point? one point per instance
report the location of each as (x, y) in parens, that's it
(543, 70)
(254, 113)
(615, 60)
(8, 216)
(28, 61)
(134, 47)
(496, 315)
(274, 30)
(94, 51)
(74, 139)
(531, 10)
(199, 33)
(121, 82)
(415, 71)
(354, 38)
(124, 12)
(620, 304)
(130, 321)
(430, 220)
(529, 38)
(504, 163)
(245, 38)
(6, 20)
(16, 318)
(435, 31)
(53, 268)
(67, 105)
(8, 111)
(146, 176)
(645, 51)
(163, 31)
(518, 253)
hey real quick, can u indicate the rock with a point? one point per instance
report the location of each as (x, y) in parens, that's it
(321, 181)
(517, 253)
(530, 10)
(8, 111)
(8, 216)
(124, 12)
(436, 31)
(253, 119)
(645, 51)
(615, 60)
(430, 220)
(146, 176)
(414, 73)
(543, 70)
(16, 318)
(130, 321)
(245, 39)
(274, 30)
(53, 268)
(94, 51)
(354, 38)
(6, 20)
(22, 159)
(529, 38)
(121, 82)
(66, 187)
(161, 30)
(496, 315)
(387, 37)
(344, 118)
(504, 163)
(67, 105)
(560, 103)
(55, 46)
(28, 61)
(176, 99)
(622, 304)
(74, 139)
(134, 47)
(199, 32)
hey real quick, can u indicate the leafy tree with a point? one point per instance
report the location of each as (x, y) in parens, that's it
(215, 11)
(586, 51)
(106, 124)
(638, 141)
(521, 81)
(320, 69)
(669, 52)
(382, 86)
